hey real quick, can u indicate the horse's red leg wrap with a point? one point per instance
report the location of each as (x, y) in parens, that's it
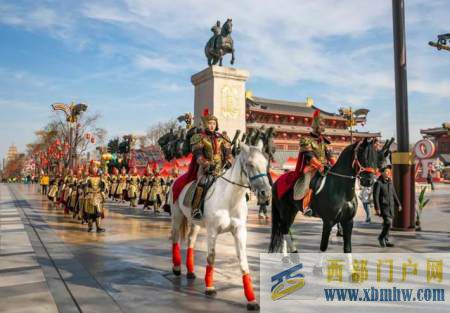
(176, 255)
(209, 280)
(190, 260)
(248, 287)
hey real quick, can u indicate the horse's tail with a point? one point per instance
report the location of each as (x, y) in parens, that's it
(184, 229)
(182, 226)
(276, 237)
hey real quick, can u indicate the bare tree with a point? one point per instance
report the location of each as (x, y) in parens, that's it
(58, 130)
(154, 132)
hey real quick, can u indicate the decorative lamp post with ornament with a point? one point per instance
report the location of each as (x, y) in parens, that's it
(72, 112)
(353, 118)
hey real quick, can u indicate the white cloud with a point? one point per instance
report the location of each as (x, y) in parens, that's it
(343, 47)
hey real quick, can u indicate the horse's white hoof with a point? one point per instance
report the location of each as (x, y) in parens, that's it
(253, 306)
(190, 275)
(211, 292)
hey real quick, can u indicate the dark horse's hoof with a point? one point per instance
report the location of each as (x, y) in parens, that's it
(190, 275)
(176, 272)
(211, 292)
(252, 306)
(317, 271)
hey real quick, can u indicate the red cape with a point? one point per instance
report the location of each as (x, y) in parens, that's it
(287, 181)
(184, 179)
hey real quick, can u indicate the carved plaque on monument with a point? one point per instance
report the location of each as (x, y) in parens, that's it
(222, 91)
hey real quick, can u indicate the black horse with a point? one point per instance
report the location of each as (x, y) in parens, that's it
(336, 201)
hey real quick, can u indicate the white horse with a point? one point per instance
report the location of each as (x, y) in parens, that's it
(225, 210)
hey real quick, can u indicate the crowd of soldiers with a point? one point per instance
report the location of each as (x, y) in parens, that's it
(83, 194)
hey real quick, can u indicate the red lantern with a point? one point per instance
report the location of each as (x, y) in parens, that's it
(292, 118)
(277, 116)
(343, 138)
(305, 120)
(284, 135)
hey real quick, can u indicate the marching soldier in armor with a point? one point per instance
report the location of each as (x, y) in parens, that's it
(212, 151)
(133, 187)
(72, 202)
(95, 190)
(314, 157)
(114, 182)
(68, 184)
(146, 186)
(53, 191)
(122, 185)
(156, 192)
(83, 202)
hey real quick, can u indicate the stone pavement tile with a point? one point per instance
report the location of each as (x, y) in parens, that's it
(90, 295)
(23, 289)
(15, 226)
(25, 276)
(35, 302)
(135, 298)
(8, 211)
(11, 219)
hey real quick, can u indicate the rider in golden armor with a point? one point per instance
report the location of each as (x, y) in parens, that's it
(212, 151)
(133, 187)
(315, 156)
(95, 197)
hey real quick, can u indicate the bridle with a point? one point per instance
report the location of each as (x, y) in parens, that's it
(250, 178)
(356, 164)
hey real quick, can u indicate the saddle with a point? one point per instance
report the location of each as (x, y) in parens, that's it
(307, 186)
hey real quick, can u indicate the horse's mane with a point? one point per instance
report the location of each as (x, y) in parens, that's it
(346, 155)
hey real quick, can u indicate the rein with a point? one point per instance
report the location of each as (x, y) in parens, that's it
(356, 164)
(250, 178)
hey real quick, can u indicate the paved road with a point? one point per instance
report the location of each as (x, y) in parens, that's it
(127, 269)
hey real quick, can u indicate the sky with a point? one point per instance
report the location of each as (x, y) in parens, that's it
(131, 60)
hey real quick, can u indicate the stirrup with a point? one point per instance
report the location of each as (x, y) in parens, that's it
(308, 212)
(197, 214)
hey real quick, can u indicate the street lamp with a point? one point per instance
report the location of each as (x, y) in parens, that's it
(441, 43)
(353, 118)
(72, 112)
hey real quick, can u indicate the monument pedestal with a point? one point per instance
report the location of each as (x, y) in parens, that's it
(222, 91)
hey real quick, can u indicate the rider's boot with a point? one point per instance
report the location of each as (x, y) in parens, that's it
(197, 203)
(306, 209)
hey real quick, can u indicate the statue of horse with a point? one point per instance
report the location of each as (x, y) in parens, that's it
(334, 203)
(225, 210)
(220, 43)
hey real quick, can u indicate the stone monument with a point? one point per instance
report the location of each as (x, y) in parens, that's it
(222, 91)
